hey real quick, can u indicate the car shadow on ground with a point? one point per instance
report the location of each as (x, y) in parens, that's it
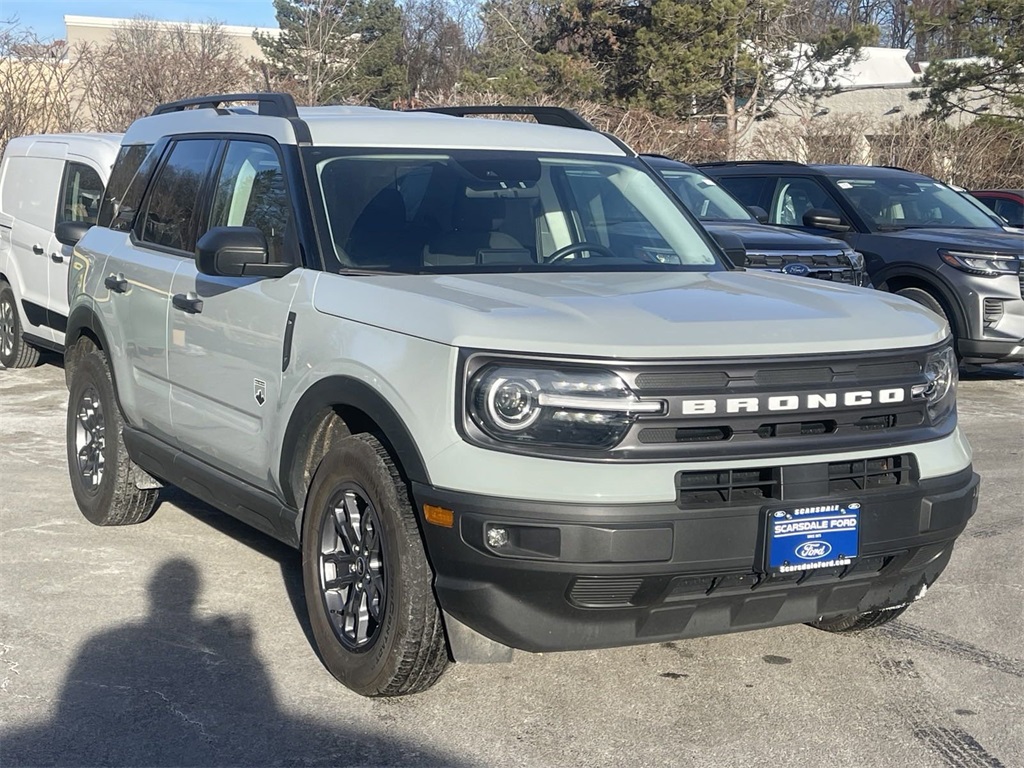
(994, 372)
(176, 688)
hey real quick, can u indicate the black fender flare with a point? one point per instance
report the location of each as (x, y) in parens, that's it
(349, 392)
(933, 280)
(84, 318)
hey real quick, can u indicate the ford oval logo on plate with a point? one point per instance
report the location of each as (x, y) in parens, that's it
(813, 550)
(797, 270)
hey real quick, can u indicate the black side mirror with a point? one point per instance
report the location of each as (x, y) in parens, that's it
(237, 252)
(759, 213)
(733, 247)
(70, 232)
(822, 218)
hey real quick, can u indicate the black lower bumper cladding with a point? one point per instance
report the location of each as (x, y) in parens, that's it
(543, 576)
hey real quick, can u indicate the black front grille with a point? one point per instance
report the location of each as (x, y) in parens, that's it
(835, 267)
(741, 487)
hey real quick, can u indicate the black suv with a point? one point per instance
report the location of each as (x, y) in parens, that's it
(772, 248)
(920, 239)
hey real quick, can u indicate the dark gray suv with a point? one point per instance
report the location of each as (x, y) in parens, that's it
(919, 238)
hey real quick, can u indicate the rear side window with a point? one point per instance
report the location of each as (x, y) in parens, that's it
(81, 194)
(747, 189)
(250, 192)
(170, 210)
(121, 196)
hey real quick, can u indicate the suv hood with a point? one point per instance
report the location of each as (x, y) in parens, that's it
(632, 315)
(970, 239)
(762, 237)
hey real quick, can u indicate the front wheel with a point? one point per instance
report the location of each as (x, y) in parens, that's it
(367, 582)
(858, 622)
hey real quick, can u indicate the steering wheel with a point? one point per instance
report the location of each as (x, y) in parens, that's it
(572, 248)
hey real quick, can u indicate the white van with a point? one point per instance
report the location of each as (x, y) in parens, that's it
(44, 180)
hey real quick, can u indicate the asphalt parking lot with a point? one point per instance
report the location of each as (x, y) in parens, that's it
(183, 641)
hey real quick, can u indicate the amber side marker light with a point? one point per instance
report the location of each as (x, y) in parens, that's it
(438, 516)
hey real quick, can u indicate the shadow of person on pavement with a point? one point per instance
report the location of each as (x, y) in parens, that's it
(181, 689)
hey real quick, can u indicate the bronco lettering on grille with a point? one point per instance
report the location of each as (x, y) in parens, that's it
(780, 403)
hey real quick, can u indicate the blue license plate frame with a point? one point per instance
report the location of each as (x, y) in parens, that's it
(812, 536)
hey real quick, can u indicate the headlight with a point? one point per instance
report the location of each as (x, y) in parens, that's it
(940, 390)
(856, 258)
(578, 407)
(989, 264)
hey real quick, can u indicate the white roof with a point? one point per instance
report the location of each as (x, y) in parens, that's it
(344, 126)
(100, 147)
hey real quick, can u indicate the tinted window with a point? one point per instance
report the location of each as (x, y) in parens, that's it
(250, 192)
(1010, 210)
(170, 211)
(795, 196)
(748, 190)
(117, 199)
(703, 197)
(80, 198)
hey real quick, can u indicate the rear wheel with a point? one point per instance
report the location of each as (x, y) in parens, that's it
(15, 352)
(367, 581)
(858, 622)
(102, 477)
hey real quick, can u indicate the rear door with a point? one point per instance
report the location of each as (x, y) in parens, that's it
(228, 334)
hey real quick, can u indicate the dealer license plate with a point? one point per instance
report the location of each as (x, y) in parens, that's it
(806, 536)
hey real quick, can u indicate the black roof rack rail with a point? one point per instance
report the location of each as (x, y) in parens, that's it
(559, 116)
(270, 104)
(749, 162)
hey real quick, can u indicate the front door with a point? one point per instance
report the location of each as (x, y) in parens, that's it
(227, 334)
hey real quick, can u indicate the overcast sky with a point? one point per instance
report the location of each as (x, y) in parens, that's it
(46, 17)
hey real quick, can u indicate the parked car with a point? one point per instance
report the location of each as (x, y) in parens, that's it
(489, 414)
(1007, 203)
(920, 239)
(767, 247)
(44, 180)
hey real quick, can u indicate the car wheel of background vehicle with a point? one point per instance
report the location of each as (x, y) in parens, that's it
(367, 581)
(858, 622)
(15, 352)
(927, 299)
(98, 463)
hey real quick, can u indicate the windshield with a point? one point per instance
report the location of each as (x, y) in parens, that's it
(481, 211)
(900, 203)
(703, 197)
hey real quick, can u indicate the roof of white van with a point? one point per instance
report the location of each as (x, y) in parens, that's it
(100, 147)
(344, 126)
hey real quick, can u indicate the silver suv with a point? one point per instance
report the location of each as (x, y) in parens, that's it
(491, 416)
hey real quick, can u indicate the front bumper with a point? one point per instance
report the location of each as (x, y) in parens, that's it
(584, 576)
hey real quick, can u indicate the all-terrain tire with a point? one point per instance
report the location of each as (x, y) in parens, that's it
(367, 581)
(102, 476)
(15, 352)
(858, 622)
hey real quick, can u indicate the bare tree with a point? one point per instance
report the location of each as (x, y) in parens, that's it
(35, 84)
(148, 62)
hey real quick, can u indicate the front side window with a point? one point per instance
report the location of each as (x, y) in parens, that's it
(81, 195)
(795, 196)
(1011, 210)
(889, 204)
(250, 192)
(125, 187)
(169, 218)
(704, 198)
(500, 211)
